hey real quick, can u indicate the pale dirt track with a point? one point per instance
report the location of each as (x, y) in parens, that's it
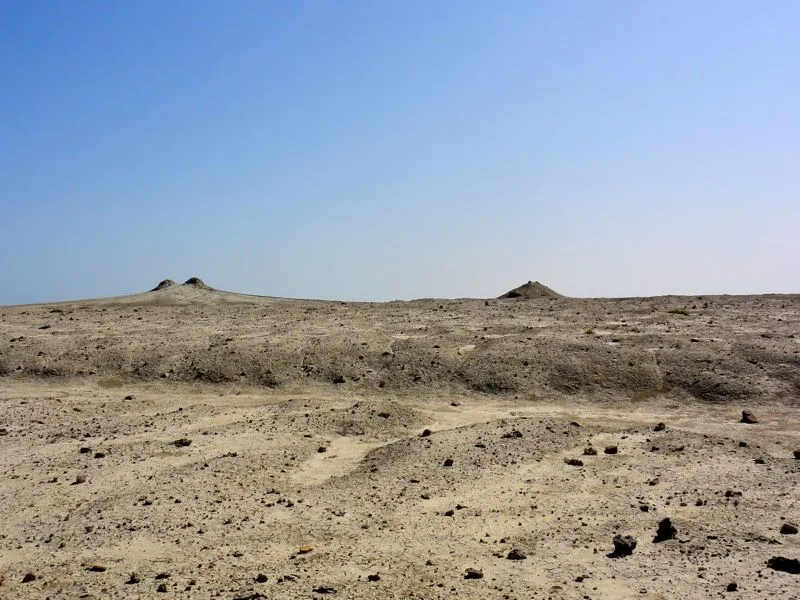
(509, 391)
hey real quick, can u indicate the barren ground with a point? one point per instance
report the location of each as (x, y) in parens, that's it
(306, 422)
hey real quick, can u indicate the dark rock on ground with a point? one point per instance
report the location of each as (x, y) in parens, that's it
(261, 578)
(789, 528)
(448, 462)
(28, 578)
(516, 554)
(748, 417)
(182, 442)
(666, 531)
(787, 565)
(512, 434)
(574, 462)
(373, 577)
(660, 427)
(97, 569)
(611, 450)
(471, 573)
(251, 596)
(623, 545)
(425, 433)
(324, 589)
(589, 451)
(732, 587)
(133, 578)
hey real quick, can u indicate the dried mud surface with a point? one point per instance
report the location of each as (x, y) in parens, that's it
(194, 443)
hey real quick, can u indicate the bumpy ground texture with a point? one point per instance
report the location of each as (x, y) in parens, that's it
(194, 443)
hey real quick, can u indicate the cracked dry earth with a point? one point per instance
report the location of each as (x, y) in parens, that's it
(117, 486)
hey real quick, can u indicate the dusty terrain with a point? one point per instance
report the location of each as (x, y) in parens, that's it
(189, 442)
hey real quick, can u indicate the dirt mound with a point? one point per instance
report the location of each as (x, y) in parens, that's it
(167, 283)
(198, 283)
(532, 289)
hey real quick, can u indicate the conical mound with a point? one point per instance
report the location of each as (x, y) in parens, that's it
(198, 283)
(532, 289)
(164, 285)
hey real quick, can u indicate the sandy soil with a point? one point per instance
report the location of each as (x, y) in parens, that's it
(381, 450)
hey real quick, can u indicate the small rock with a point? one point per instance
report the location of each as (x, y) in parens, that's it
(732, 587)
(305, 549)
(162, 587)
(322, 449)
(471, 573)
(624, 545)
(28, 578)
(589, 451)
(182, 442)
(338, 380)
(4, 431)
(796, 454)
(789, 528)
(133, 578)
(425, 433)
(516, 554)
(130, 397)
(787, 565)
(448, 462)
(85, 450)
(99, 454)
(611, 450)
(512, 434)
(324, 589)
(96, 569)
(666, 531)
(79, 480)
(574, 462)
(261, 578)
(162, 576)
(748, 417)
(759, 461)
(374, 577)
(660, 427)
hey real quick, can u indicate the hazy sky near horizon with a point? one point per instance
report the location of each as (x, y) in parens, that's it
(375, 150)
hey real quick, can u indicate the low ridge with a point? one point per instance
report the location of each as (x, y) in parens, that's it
(532, 289)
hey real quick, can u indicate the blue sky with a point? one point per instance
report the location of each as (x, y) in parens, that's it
(376, 150)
